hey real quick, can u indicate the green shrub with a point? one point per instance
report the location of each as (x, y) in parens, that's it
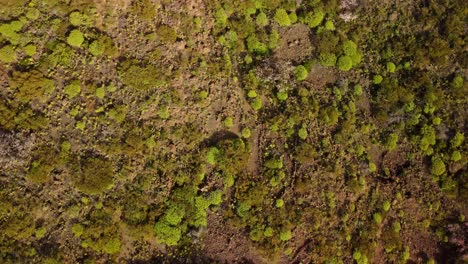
(456, 156)
(274, 163)
(112, 246)
(285, 235)
(314, 18)
(40, 232)
(349, 48)
(212, 155)
(10, 31)
(302, 133)
(100, 92)
(282, 96)
(282, 17)
(242, 209)
(252, 94)
(33, 13)
(257, 104)
(457, 82)
(246, 133)
(327, 59)
(457, 140)
(377, 79)
(75, 38)
(142, 78)
(228, 122)
(96, 48)
(300, 72)
(255, 46)
(268, 232)
(358, 90)
(73, 89)
(437, 167)
(377, 218)
(167, 234)
(391, 67)
(92, 175)
(30, 50)
(221, 17)
(174, 215)
(344, 63)
(262, 19)
(7, 54)
(166, 34)
(77, 230)
(428, 138)
(79, 19)
(391, 141)
(386, 206)
(279, 203)
(329, 25)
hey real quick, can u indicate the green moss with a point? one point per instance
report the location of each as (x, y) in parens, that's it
(282, 18)
(73, 89)
(344, 63)
(75, 38)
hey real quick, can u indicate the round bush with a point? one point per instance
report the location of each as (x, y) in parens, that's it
(344, 63)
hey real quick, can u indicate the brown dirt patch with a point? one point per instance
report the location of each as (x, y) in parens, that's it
(295, 43)
(225, 244)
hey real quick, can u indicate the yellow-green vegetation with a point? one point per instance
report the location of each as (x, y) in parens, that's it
(231, 131)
